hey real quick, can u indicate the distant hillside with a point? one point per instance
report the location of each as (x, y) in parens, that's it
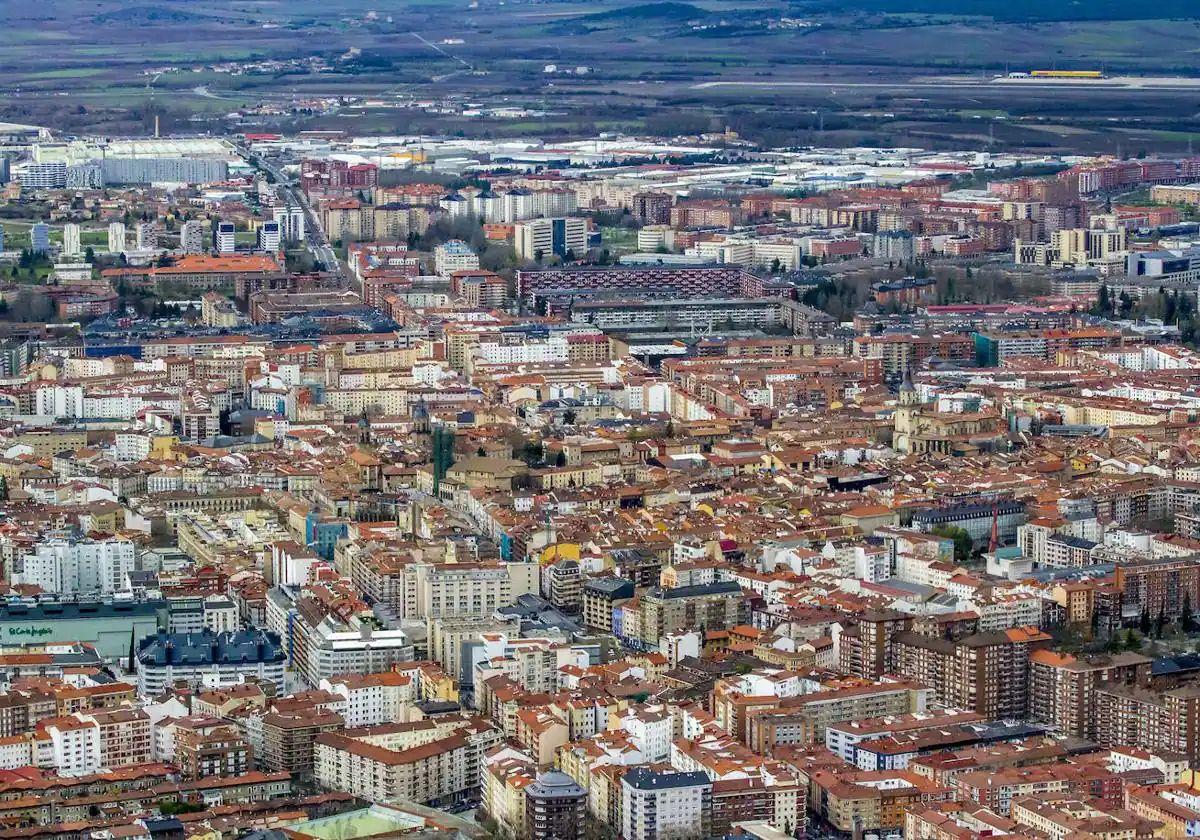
(637, 19)
(1018, 11)
(148, 14)
(648, 11)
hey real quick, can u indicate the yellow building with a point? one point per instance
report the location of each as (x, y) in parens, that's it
(920, 429)
(436, 685)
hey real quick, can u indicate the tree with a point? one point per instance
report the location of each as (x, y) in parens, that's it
(1126, 304)
(481, 452)
(560, 460)
(1144, 621)
(530, 452)
(569, 417)
(1132, 641)
(1160, 621)
(963, 544)
(1103, 301)
(1187, 620)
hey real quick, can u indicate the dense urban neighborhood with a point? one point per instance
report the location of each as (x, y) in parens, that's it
(668, 485)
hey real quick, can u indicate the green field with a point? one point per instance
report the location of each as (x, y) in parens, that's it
(98, 66)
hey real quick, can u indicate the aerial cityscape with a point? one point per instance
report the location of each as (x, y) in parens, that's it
(608, 420)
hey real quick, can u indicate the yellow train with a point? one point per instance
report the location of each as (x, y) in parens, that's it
(1067, 74)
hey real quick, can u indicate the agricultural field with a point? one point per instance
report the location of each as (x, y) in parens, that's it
(777, 71)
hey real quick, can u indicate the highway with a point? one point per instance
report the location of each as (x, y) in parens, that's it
(314, 233)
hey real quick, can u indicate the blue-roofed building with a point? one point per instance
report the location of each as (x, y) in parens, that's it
(1170, 671)
(208, 659)
(976, 519)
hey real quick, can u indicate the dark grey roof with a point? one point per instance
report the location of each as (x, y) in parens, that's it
(77, 610)
(229, 441)
(536, 613)
(1073, 542)
(1183, 663)
(952, 513)
(249, 646)
(555, 785)
(727, 587)
(643, 778)
(612, 587)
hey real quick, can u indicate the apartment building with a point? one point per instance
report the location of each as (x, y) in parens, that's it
(207, 747)
(860, 800)
(867, 649)
(903, 354)
(562, 584)
(1175, 806)
(1057, 815)
(704, 213)
(357, 647)
(224, 237)
(466, 589)
(288, 737)
(1158, 721)
(667, 611)
(116, 237)
(532, 663)
(540, 238)
(986, 673)
(665, 804)
(1063, 688)
(1075, 247)
(426, 763)
(803, 720)
(80, 568)
(454, 255)
(954, 821)
(124, 736)
(69, 744)
(554, 807)
(372, 698)
(208, 658)
(998, 789)
(480, 289)
(1158, 585)
(651, 208)
(600, 596)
